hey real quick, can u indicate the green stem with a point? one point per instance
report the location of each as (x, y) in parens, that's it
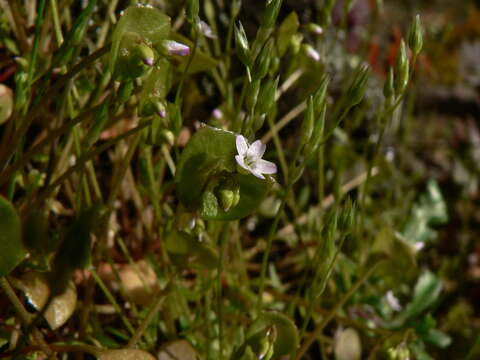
(112, 300)
(319, 329)
(154, 309)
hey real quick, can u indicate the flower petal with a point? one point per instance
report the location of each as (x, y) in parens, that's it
(240, 162)
(257, 149)
(242, 145)
(265, 167)
(257, 174)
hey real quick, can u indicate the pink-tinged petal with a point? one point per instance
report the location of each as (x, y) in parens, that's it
(240, 162)
(257, 174)
(265, 167)
(242, 146)
(256, 150)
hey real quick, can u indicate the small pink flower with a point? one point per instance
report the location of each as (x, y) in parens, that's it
(250, 158)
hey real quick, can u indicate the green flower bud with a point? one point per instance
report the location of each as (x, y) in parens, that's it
(314, 29)
(241, 45)
(325, 13)
(252, 94)
(134, 59)
(401, 69)
(228, 193)
(271, 13)
(266, 98)
(318, 130)
(320, 96)
(415, 36)
(167, 136)
(388, 88)
(262, 63)
(306, 130)
(296, 43)
(235, 8)
(357, 87)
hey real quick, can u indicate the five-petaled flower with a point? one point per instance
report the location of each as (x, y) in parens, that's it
(250, 157)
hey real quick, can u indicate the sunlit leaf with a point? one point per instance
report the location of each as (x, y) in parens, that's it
(139, 282)
(11, 247)
(430, 210)
(426, 293)
(178, 349)
(6, 103)
(286, 31)
(125, 354)
(36, 287)
(348, 345)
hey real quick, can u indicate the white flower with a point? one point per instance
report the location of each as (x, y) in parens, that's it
(176, 49)
(250, 158)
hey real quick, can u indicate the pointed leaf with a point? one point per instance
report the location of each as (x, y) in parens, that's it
(11, 246)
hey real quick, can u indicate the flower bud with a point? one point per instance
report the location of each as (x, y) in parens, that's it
(401, 69)
(271, 13)
(318, 130)
(325, 12)
(167, 136)
(415, 36)
(252, 95)
(311, 52)
(296, 43)
(320, 96)
(241, 45)
(235, 8)
(267, 96)
(357, 87)
(262, 63)
(308, 123)
(228, 193)
(134, 58)
(174, 48)
(388, 88)
(315, 29)
(206, 30)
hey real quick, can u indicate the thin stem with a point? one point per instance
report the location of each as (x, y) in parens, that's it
(319, 329)
(112, 300)
(154, 309)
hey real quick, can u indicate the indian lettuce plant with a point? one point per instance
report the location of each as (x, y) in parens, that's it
(178, 180)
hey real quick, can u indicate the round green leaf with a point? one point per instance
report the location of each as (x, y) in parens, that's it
(186, 251)
(286, 334)
(11, 246)
(37, 290)
(209, 156)
(145, 23)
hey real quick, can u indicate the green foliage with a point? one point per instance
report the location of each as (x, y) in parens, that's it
(296, 223)
(11, 246)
